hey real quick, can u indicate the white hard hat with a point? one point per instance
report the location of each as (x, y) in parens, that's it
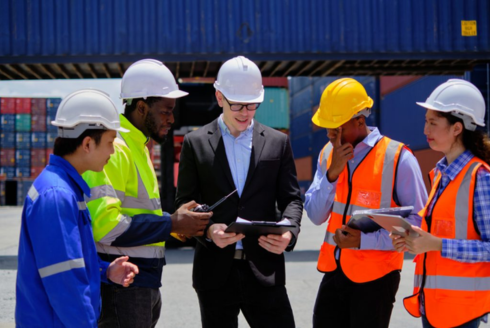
(149, 78)
(460, 98)
(86, 110)
(240, 80)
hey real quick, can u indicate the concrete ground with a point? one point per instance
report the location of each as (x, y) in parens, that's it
(180, 306)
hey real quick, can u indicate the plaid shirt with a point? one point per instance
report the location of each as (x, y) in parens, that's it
(463, 250)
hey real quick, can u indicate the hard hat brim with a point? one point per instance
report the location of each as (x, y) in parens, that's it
(429, 106)
(246, 99)
(175, 94)
(324, 123)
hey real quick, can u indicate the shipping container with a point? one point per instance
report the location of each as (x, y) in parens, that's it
(38, 106)
(7, 140)
(36, 170)
(7, 157)
(7, 105)
(23, 122)
(372, 29)
(38, 123)
(22, 172)
(23, 105)
(49, 152)
(2, 193)
(50, 137)
(22, 158)
(52, 105)
(23, 187)
(23, 140)
(38, 140)
(274, 110)
(9, 173)
(38, 157)
(50, 127)
(7, 122)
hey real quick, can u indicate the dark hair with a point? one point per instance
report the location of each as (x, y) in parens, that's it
(67, 146)
(475, 141)
(129, 108)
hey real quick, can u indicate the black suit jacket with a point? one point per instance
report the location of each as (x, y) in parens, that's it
(205, 176)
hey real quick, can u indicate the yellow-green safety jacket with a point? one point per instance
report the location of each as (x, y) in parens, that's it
(127, 217)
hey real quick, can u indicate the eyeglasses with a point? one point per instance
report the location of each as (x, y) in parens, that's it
(238, 107)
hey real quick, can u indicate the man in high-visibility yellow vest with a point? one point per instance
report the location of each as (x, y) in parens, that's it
(127, 216)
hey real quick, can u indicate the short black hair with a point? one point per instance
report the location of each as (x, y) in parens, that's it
(67, 146)
(129, 108)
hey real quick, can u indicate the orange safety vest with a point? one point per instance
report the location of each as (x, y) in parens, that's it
(371, 187)
(454, 292)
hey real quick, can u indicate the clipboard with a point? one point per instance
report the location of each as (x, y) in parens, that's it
(259, 228)
(390, 219)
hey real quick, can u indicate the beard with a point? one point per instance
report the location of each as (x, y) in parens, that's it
(152, 128)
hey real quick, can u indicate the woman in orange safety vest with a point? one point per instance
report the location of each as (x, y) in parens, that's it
(452, 274)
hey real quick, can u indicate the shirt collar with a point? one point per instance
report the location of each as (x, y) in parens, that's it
(453, 169)
(224, 129)
(71, 171)
(372, 138)
(134, 133)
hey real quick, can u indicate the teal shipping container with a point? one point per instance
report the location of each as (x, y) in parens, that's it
(274, 110)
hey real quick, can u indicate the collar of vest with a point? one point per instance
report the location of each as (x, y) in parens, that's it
(134, 133)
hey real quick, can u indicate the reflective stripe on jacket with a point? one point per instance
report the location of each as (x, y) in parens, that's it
(371, 187)
(127, 217)
(454, 292)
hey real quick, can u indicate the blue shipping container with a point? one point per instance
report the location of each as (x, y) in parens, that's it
(50, 127)
(7, 122)
(38, 140)
(52, 105)
(50, 137)
(22, 172)
(23, 187)
(23, 158)
(23, 140)
(7, 139)
(300, 29)
(8, 171)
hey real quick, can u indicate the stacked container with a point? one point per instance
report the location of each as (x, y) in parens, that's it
(26, 141)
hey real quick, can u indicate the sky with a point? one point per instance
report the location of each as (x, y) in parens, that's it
(60, 88)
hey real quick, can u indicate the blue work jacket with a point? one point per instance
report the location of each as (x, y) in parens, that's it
(59, 272)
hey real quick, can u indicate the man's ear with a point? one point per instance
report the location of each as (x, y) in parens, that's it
(361, 121)
(86, 144)
(219, 98)
(141, 108)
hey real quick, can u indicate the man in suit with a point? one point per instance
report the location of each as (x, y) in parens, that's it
(233, 272)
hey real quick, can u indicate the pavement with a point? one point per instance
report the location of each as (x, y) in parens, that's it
(180, 306)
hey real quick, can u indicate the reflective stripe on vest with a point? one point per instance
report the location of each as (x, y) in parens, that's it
(362, 265)
(147, 252)
(454, 292)
(454, 283)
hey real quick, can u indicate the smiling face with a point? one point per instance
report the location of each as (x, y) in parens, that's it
(101, 153)
(441, 135)
(159, 119)
(237, 121)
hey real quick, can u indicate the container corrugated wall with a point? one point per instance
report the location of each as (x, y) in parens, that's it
(274, 110)
(338, 29)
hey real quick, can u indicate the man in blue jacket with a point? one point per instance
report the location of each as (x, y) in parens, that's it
(59, 272)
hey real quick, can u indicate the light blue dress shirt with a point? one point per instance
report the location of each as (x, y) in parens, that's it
(409, 186)
(238, 152)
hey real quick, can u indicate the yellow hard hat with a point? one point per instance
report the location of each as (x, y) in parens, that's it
(341, 100)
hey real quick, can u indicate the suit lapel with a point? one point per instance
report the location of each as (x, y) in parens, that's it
(218, 146)
(258, 142)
